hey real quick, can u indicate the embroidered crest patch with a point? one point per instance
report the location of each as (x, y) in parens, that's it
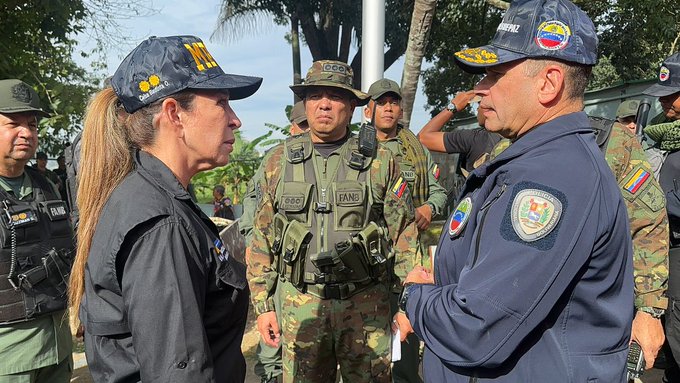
(553, 35)
(535, 213)
(460, 217)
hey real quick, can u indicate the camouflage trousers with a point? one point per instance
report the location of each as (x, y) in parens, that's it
(319, 335)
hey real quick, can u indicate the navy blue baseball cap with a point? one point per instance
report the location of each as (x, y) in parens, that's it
(162, 66)
(555, 29)
(669, 78)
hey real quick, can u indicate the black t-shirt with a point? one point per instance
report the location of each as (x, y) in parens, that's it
(471, 144)
(326, 148)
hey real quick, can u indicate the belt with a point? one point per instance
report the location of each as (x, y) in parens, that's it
(337, 290)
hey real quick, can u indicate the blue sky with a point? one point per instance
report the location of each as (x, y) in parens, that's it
(265, 54)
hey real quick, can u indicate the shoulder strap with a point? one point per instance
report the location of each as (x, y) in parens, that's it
(297, 150)
(603, 129)
(355, 162)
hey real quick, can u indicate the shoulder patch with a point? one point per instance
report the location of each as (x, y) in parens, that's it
(635, 180)
(534, 215)
(399, 187)
(435, 172)
(460, 217)
(653, 197)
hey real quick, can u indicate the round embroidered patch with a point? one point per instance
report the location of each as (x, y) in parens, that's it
(460, 217)
(535, 213)
(553, 35)
(664, 74)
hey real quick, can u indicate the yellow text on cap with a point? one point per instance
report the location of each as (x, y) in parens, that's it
(201, 55)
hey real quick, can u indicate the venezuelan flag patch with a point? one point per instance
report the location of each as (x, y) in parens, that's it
(399, 187)
(636, 181)
(435, 172)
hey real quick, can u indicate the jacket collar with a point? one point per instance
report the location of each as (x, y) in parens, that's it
(561, 126)
(154, 169)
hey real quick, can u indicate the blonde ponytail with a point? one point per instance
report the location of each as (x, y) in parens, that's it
(105, 159)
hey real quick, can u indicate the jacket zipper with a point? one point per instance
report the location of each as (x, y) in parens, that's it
(485, 208)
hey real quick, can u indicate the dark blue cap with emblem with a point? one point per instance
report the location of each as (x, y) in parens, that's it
(668, 81)
(162, 66)
(555, 29)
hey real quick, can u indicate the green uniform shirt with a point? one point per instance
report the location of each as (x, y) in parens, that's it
(397, 211)
(37, 343)
(437, 196)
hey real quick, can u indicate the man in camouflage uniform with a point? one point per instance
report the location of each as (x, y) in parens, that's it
(664, 129)
(417, 168)
(648, 223)
(626, 114)
(268, 366)
(333, 233)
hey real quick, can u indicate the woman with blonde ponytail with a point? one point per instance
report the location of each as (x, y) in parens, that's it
(158, 295)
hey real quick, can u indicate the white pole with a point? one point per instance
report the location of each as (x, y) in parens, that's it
(373, 42)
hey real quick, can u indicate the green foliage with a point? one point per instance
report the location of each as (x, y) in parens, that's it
(635, 36)
(36, 47)
(457, 24)
(243, 162)
(328, 27)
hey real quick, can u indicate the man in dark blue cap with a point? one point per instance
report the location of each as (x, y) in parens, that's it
(532, 278)
(664, 129)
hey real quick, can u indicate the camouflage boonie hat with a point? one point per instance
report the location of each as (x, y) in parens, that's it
(383, 86)
(331, 73)
(298, 114)
(17, 97)
(627, 108)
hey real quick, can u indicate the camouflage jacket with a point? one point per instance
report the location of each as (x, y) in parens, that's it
(646, 207)
(437, 195)
(397, 209)
(245, 223)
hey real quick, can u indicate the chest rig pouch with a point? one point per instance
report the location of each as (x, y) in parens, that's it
(36, 254)
(323, 228)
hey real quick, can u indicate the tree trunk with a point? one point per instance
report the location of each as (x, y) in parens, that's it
(421, 21)
(295, 46)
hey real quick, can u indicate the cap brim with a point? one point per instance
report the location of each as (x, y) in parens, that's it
(37, 111)
(658, 90)
(301, 89)
(300, 120)
(476, 60)
(380, 94)
(239, 86)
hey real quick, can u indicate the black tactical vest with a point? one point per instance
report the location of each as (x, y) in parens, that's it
(330, 236)
(36, 254)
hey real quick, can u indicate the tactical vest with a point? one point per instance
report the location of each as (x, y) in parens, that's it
(36, 254)
(329, 234)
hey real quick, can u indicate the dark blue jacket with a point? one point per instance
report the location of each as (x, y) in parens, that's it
(557, 308)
